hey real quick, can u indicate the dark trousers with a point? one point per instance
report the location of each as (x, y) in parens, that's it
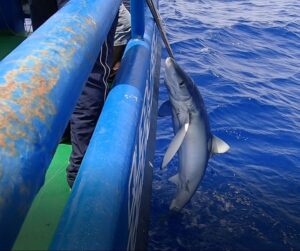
(89, 106)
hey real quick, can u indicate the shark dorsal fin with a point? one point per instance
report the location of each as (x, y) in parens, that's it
(175, 179)
(165, 109)
(175, 144)
(218, 145)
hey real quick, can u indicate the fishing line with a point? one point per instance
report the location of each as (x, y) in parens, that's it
(158, 21)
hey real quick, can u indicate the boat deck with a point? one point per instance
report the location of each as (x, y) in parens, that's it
(8, 42)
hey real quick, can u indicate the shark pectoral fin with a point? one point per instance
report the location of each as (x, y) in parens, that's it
(219, 146)
(175, 179)
(175, 145)
(165, 109)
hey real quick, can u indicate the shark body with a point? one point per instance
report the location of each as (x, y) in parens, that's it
(193, 140)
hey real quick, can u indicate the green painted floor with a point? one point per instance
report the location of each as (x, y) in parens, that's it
(42, 219)
(8, 42)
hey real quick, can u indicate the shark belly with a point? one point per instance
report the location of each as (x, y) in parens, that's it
(193, 158)
(193, 140)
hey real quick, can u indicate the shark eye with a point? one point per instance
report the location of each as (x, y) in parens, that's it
(181, 84)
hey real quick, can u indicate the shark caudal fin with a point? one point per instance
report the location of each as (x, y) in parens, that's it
(175, 145)
(218, 145)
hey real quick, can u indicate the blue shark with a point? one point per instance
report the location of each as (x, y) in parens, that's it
(193, 139)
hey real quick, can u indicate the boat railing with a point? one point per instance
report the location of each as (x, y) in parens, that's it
(40, 82)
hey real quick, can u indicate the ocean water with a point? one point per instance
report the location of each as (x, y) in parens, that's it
(244, 56)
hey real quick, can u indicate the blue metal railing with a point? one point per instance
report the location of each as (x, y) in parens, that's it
(137, 19)
(113, 188)
(40, 82)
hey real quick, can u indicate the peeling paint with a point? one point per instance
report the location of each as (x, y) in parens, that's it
(17, 113)
(32, 100)
(24, 92)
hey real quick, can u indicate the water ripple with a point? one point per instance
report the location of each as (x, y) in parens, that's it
(244, 56)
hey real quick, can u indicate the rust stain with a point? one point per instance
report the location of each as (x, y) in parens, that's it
(68, 29)
(6, 93)
(32, 103)
(18, 111)
(2, 140)
(54, 70)
(44, 53)
(91, 22)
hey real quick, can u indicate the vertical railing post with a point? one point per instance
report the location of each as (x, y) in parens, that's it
(137, 19)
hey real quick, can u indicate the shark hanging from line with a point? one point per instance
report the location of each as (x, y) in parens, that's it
(193, 140)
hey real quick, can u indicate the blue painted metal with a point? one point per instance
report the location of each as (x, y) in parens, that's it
(137, 18)
(40, 82)
(104, 207)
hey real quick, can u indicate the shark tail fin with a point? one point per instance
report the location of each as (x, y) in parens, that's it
(219, 146)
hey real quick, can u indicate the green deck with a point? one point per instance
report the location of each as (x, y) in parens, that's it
(8, 42)
(42, 219)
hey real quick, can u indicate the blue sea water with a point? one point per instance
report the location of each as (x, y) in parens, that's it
(244, 56)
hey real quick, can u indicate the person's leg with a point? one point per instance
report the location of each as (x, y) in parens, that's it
(89, 106)
(61, 3)
(118, 52)
(122, 36)
(127, 4)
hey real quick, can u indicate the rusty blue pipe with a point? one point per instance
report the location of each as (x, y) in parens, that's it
(40, 82)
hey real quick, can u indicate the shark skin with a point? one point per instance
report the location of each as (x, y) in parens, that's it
(193, 139)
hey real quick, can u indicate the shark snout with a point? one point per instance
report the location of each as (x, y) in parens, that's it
(169, 62)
